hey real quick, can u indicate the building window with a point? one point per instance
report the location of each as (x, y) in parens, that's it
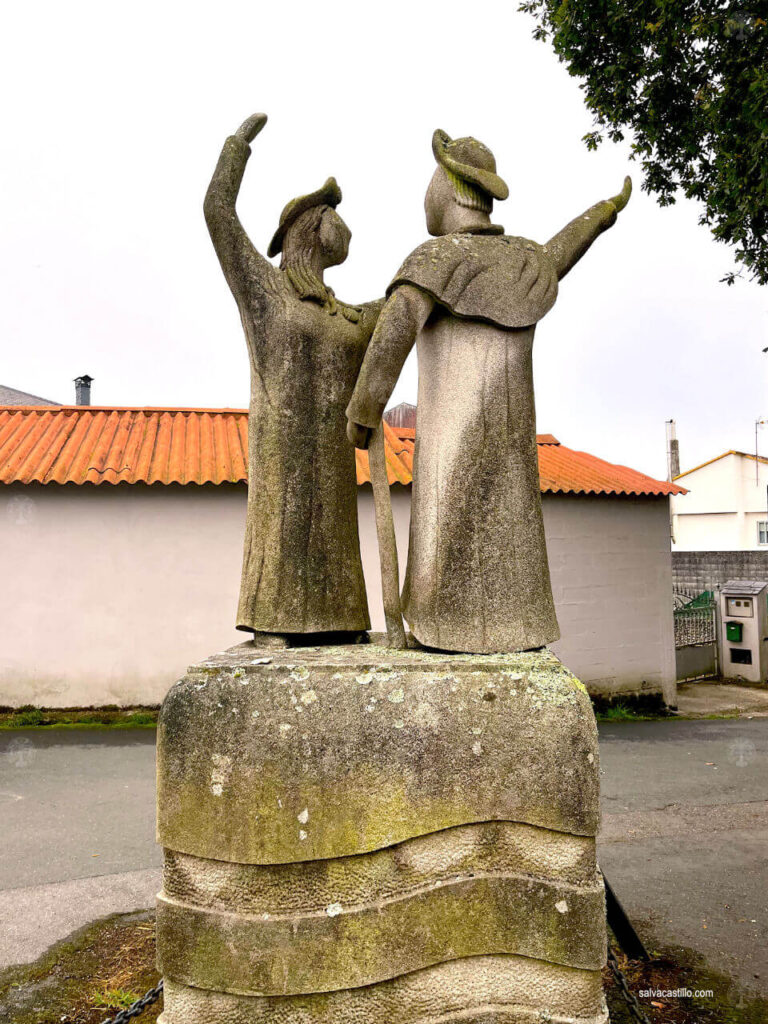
(762, 532)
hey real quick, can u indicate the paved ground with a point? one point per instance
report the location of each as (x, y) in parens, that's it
(77, 842)
(685, 836)
(698, 700)
(684, 840)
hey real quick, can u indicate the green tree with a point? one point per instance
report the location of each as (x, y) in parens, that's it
(687, 81)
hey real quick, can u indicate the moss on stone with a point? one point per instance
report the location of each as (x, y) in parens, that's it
(378, 745)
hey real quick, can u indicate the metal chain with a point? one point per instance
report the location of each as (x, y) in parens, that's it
(633, 1003)
(138, 1007)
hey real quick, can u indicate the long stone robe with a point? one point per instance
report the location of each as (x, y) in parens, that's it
(302, 571)
(477, 578)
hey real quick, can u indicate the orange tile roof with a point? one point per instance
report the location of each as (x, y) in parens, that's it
(398, 446)
(97, 445)
(565, 471)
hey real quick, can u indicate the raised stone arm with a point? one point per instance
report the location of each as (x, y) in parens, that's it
(404, 314)
(240, 261)
(569, 245)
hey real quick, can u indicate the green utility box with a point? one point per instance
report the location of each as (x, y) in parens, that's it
(733, 631)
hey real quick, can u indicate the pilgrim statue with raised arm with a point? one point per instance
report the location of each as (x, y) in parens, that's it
(369, 834)
(477, 578)
(302, 572)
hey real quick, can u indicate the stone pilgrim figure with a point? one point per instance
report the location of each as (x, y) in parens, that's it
(301, 563)
(477, 578)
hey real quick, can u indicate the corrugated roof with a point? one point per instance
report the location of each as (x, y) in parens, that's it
(565, 471)
(398, 446)
(735, 587)
(97, 445)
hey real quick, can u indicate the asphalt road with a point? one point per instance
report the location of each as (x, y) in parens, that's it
(685, 836)
(684, 842)
(77, 824)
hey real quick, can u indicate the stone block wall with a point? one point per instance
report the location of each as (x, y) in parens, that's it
(704, 570)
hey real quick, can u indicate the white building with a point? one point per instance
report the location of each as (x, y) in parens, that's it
(121, 542)
(726, 507)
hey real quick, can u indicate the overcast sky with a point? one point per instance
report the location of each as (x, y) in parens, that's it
(112, 123)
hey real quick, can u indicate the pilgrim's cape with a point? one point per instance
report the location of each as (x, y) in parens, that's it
(497, 278)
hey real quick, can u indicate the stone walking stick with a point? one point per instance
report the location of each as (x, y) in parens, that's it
(385, 532)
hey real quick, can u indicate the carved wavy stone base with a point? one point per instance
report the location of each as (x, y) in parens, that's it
(487, 989)
(367, 836)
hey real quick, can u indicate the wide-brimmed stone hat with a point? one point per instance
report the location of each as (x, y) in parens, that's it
(328, 195)
(470, 161)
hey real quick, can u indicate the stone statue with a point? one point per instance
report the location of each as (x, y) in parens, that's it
(477, 578)
(301, 564)
(366, 834)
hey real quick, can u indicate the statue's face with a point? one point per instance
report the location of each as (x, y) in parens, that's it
(438, 199)
(334, 238)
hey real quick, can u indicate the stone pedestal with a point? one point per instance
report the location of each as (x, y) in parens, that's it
(355, 835)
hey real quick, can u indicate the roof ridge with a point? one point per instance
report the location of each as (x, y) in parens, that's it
(235, 410)
(723, 455)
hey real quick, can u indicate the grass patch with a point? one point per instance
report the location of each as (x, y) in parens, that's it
(621, 712)
(116, 998)
(25, 718)
(99, 971)
(30, 717)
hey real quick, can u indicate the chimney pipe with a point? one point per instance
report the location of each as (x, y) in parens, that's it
(403, 415)
(673, 451)
(83, 390)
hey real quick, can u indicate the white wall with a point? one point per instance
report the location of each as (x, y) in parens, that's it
(401, 514)
(108, 593)
(611, 575)
(726, 500)
(611, 571)
(707, 532)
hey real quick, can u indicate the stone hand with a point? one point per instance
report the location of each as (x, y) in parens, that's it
(359, 435)
(251, 127)
(621, 200)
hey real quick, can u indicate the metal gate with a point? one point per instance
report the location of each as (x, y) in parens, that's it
(696, 648)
